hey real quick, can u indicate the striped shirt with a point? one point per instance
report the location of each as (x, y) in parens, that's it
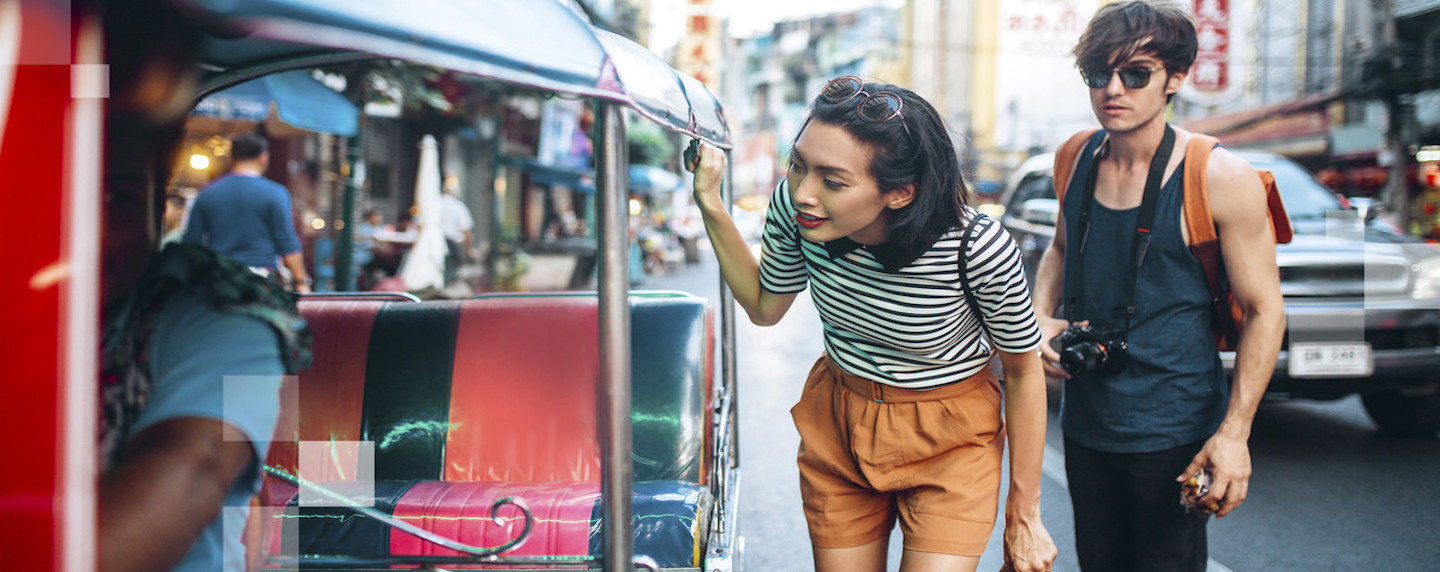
(905, 323)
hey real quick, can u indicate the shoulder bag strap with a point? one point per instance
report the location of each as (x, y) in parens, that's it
(965, 276)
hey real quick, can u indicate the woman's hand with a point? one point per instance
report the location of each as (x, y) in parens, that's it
(708, 164)
(1028, 547)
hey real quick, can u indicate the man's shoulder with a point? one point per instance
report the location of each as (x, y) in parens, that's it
(1228, 174)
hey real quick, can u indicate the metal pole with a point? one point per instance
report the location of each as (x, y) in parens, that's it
(727, 330)
(344, 246)
(613, 401)
(1397, 199)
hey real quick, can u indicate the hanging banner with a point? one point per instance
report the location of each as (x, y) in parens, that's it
(699, 51)
(1211, 71)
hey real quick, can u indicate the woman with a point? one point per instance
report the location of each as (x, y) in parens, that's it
(900, 417)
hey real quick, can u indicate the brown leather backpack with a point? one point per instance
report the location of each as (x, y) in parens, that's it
(1203, 241)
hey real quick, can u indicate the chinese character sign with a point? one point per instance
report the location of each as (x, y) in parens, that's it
(700, 48)
(1212, 30)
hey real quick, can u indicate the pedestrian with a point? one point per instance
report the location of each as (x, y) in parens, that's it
(173, 221)
(246, 217)
(194, 345)
(900, 417)
(456, 223)
(1156, 408)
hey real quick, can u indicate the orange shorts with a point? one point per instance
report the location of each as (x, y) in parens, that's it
(871, 452)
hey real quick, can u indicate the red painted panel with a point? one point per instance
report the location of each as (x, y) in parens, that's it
(331, 391)
(32, 167)
(461, 511)
(522, 403)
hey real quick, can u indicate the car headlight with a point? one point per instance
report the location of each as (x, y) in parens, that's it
(1427, 278)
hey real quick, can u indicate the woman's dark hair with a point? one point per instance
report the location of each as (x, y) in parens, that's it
(1119, 31)
(911, 148)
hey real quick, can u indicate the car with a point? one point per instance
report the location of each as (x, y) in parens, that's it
(1362, 299)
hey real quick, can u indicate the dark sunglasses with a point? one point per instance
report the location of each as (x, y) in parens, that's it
(881, 106)
(1132, 78)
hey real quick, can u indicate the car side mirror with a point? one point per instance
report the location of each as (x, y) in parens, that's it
(1040, 211)
(1373, 211)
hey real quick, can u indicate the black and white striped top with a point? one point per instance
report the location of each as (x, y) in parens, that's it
(903, 322)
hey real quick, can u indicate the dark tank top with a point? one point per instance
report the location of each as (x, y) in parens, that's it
(1174, 390)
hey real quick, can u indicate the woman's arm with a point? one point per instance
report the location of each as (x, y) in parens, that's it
(737, 265)
(1027, 544)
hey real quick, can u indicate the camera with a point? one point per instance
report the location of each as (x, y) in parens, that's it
(1090, 350)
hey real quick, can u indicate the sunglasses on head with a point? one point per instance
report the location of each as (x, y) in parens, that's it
(875, 108)
(1131, 77)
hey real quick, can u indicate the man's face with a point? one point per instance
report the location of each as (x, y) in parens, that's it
(1122, 108)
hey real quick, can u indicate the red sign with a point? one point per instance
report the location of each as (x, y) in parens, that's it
(1212, 33)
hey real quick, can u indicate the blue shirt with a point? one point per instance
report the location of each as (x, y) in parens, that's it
(223, 366)
(245, 218)
(1174, 390)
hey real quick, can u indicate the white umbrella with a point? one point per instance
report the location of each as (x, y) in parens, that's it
(424, 265)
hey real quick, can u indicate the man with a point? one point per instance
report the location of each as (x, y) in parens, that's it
(246, 217)
(1133, 433)
(456, 224)
(194, 345)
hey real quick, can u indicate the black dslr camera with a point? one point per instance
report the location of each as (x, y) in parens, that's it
(1088, 350)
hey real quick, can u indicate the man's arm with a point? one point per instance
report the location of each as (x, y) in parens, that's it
(282, 228)
(170, 485)
(1238, 205)
(1049, 287)
(295, 262)
(196, 225)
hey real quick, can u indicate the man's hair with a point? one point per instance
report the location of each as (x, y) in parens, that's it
(924, 156)
(247, 146)
(1122, 29)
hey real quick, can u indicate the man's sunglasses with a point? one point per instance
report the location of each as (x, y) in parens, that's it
(1132, 78)
(881, 106)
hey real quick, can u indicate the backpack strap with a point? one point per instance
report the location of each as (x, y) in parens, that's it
(1065, 160)
(1204, 241)
(964, 276)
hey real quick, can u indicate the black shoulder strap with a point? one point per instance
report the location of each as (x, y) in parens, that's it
(964, 276)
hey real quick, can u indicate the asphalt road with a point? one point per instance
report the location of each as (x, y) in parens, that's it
(1329, 491)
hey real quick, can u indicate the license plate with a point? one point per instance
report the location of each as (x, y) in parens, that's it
(1331, 360)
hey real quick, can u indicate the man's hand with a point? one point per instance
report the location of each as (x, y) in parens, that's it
(1049, 328)
(1228, 458)
(1028, 546)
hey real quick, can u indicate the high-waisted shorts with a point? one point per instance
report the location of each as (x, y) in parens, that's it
(871, 453)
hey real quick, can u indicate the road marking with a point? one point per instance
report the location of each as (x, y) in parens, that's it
(1054, 467)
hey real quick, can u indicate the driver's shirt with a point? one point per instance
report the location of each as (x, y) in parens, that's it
(905, 322)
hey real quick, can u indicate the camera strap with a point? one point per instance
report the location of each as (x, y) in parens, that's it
(1144, 220)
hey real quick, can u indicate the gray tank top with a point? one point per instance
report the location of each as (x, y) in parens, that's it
(1174, 390)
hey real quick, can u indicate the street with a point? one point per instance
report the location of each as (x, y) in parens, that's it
(1329, 492)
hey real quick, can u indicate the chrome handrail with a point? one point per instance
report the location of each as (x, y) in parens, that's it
(421, 533)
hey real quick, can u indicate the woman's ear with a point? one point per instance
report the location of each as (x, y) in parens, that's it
(900, 196)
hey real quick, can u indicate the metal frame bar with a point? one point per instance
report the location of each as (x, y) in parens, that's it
(616, 473)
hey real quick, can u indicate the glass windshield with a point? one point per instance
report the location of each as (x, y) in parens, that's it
(1305, 198)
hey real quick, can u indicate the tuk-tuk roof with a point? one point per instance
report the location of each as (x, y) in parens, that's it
(536, 43)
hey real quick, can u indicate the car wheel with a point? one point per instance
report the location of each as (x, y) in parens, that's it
(1396, 412)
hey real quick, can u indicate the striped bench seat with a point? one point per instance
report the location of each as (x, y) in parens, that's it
(434, 410)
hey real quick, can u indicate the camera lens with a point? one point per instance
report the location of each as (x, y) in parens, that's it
(1083, 357)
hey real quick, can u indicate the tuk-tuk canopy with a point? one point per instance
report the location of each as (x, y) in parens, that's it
(536, 43)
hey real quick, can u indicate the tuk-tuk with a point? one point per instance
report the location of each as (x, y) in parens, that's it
(515, 431)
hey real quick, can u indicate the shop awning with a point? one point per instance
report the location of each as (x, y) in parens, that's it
(1296, 128)
(541, 44)
(294, 96)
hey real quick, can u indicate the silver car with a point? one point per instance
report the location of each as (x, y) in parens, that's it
(1362, 299)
